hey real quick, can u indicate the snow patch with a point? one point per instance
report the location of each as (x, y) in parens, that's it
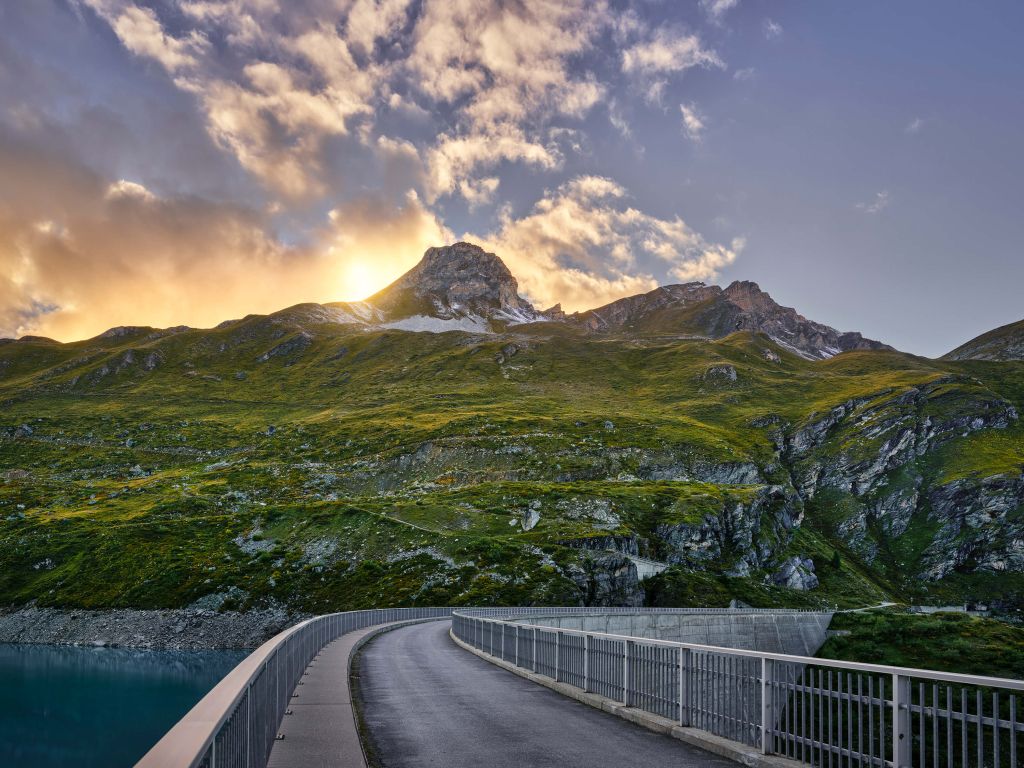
(425, 323)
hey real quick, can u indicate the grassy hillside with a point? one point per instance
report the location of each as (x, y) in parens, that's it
(327, 467)
(951, 642)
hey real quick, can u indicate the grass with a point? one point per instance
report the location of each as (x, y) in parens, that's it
(416, 456)
(949, 642)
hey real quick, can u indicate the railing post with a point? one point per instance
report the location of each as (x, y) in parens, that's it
(901, 736)
(586, 663)
(535, 648)
(625, 671)
(767, 716)
(248, 727)
(502, 641)
(684, 686)
(517, 644)
(558, 648)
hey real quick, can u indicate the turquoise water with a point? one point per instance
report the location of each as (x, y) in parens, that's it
(102, 707)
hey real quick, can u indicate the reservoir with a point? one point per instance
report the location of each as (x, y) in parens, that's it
(103, 707)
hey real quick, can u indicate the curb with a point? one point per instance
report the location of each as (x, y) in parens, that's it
(732, 750)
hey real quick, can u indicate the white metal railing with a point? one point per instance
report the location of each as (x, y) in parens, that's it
(235, 724)
(818, 711)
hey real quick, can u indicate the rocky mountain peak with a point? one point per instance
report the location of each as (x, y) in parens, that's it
(714, 312)
(748, 296)
(456, 281)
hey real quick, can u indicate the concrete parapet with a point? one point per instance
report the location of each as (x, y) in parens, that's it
(798, 634)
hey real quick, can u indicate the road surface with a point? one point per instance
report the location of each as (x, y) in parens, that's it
(426, 702)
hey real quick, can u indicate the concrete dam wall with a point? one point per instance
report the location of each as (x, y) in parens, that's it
(798, 634)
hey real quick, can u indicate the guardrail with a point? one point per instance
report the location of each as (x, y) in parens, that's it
(817, 711)
(235, 724)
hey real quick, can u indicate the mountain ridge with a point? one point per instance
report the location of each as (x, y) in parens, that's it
(1001, 344)
(292, 459)
(461, 287)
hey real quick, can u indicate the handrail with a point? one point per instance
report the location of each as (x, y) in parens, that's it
(189, 738)
(235, 723)
(926, 674)
(805, 708)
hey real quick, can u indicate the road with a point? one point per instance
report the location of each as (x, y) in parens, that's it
(427, 702)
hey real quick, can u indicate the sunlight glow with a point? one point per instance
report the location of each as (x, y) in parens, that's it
(360, 280)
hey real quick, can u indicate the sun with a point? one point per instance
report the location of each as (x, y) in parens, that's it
(360, 280)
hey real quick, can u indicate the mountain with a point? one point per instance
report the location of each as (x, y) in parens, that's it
(713, 312)
(1003, 343)
(460, 285)
(323, 458)
(463, 288)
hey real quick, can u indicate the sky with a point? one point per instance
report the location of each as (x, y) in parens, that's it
(189, 161)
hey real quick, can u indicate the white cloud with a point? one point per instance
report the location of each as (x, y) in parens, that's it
(877, 205)
(716, 9)
(747, 73)
(772, 29)
(665, 52)
(914, 126)
(277, 88)
(693, 122)
(582, 245)
(130, 189)
(505, 68)
(668, 51)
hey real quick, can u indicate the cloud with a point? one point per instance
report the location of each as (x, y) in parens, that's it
(747, 73)
(140, 31)
(279, 91)
(506, 70)
(582, 245)
(79, 254)
(666, 52)
(693, 122)
(716, 9)
(772, 29)
(877, 205)
(124, 188)
(914, 126)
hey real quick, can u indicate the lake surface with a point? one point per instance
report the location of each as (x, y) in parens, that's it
(101, 707)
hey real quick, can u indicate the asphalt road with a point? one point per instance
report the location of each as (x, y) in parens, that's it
(427, 702)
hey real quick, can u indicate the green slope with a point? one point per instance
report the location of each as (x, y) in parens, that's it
(327, 466)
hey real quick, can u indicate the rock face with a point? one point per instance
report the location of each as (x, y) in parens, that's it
(608, 579)
(871, 458)
(714, 312)
(796, 573)
(460, 281)
(1004, 343)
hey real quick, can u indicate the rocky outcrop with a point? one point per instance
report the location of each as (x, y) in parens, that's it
(796, 573)
(456, 282)
(981, 528)
(187, 629)
(1003, 344)
(747, 536)
(874, 451)
(288, 348)
(714, 312)
(606, 579)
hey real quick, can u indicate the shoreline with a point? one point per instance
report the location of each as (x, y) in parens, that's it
(175, 629)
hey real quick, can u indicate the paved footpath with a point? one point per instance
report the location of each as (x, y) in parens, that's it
(429, 703)
(321, 731)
